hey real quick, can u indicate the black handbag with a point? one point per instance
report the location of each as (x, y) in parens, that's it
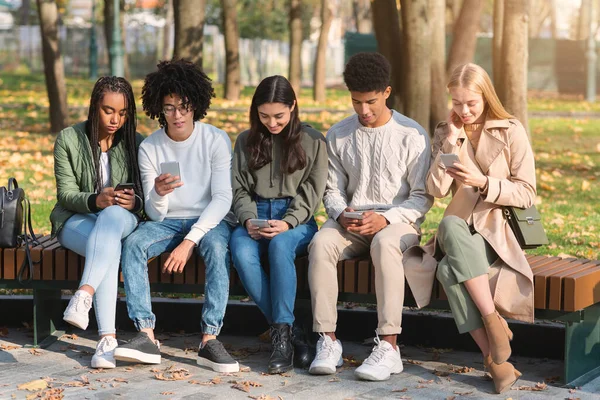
(526, 224)
(15, 226)
(11, 214)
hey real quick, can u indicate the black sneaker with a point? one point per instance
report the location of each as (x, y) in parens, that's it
(140, 349)
(214, 356)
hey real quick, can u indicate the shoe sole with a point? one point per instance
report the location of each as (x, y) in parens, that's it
(218, 367)
(280, 370)
(78, 322)
(369, 377)
(102, 363)
(136, 356)
(325, 370)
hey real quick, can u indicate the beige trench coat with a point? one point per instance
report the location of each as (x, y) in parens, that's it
(505, 156)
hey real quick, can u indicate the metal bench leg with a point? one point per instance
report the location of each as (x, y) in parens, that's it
(582, 347)
(47, 315)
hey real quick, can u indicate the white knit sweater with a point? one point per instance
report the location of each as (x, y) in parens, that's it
(382, 168)
(205, 167)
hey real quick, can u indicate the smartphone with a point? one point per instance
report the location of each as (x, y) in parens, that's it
(261, 223)
(353, 214)
(170, 167)
(449, 159)
(123, 186)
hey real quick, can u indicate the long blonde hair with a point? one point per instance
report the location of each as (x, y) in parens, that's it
(472, 77)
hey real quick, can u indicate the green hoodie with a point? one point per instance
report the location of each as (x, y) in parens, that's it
(74, 172)
(305, 186)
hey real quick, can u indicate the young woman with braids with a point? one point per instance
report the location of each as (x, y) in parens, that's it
(92, 216)
(279, 175)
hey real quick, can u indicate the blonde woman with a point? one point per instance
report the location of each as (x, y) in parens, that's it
(474, 254)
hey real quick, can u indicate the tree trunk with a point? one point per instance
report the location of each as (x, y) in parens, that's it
(539, 11)
(464, 36)
(188, 17)
(583, 22)
(321, 56)
(417, 44)
(108, 31)
(295, 26)
(53, 65)
(514, 54)
(167, 50)
(361, 11)
(497, 46)
(388, 33)
(232, 50)
(553, 19)
(439, 102)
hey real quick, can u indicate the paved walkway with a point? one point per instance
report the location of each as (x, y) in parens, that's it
(428, 374)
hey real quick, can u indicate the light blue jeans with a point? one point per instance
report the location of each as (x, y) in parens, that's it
(98, 237)
(153, 238)
(274, 294)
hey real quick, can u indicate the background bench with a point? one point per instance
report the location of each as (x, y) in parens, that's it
(566, 290)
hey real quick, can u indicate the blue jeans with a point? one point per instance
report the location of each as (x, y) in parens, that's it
(153, 238)
(98, 237)
(275, 294)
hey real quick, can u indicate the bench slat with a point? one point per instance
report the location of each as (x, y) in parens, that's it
(556, 282)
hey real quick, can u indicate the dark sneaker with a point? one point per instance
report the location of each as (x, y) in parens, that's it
(140, 349)
(214, 356)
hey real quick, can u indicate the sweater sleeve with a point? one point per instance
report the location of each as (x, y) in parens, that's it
(68, 192)
(156, 206)
(244, 205)
(310, 191)
(335, 199)
(418, 202)
(220, 187)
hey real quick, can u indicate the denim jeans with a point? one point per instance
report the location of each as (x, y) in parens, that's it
(275, 294)
(98, 237)
(153, 238)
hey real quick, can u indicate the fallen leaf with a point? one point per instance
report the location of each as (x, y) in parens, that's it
(413, 362)
(36, 352)
(335, 379)
(462, 393)
(167, 393)
(399, 390)
(173, 374)
(537, 388)
(34, 385)
(7, 347)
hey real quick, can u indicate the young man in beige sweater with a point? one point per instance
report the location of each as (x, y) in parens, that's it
(376, 201)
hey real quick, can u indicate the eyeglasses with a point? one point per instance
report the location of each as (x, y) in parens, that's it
(170, 109)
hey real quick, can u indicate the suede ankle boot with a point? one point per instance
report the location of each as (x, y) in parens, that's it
(282, 358)
(504, 375)
(499, 336)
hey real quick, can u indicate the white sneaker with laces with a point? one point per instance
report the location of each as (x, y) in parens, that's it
(77, 312)
(328, 357)
(105, 353)
(382, 362)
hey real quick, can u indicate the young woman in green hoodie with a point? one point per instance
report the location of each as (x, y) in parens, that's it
(279, 176)
(95, 210)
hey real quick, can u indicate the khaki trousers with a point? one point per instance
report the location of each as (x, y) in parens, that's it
(332, 244)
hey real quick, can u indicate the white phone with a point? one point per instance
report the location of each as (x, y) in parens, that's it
(449, 159)
(261, 223)
(170, 167)
(353, 214)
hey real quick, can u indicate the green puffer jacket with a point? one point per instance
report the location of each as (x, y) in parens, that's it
(74, 172)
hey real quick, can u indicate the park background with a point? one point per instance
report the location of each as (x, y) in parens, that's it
(540, 53)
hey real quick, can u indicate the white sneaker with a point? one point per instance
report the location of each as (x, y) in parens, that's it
(105, 353)
(77, 312)
(328, 357)
(382, 362)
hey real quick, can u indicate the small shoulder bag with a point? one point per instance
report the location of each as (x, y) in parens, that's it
(526, 224)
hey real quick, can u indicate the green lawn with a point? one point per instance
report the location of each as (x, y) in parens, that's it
(567, 155)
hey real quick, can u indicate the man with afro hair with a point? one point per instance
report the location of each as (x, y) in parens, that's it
(376, 200)
(186, 209)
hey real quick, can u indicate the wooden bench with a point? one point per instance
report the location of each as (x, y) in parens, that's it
(566, 290)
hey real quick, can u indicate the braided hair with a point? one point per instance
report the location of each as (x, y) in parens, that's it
(114, 84)
(177, 77)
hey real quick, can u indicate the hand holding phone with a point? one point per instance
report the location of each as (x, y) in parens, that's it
(449, 159)
(165, 184)
(171, 167)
